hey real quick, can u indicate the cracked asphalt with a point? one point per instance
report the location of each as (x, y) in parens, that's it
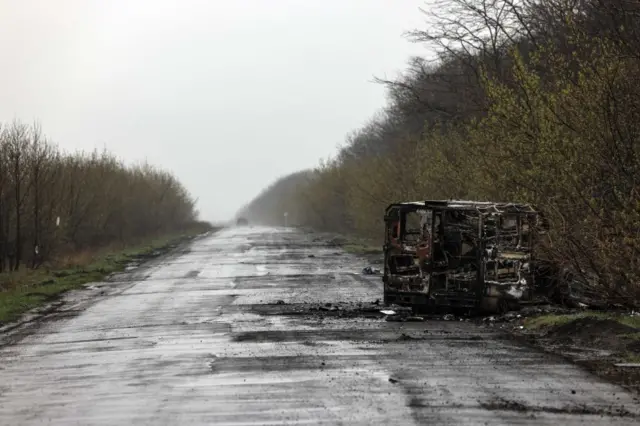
(229, 332)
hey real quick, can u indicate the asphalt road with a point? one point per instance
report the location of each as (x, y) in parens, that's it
(229, 332)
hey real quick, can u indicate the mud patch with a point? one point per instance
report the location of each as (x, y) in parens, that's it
(289, 255)
(594, 332)
(289, 246)
(15, 333)
(320, 335)
(243, 248)
(312, 343)
(594, 343)
(73, 342)
(407, 337)
(345, 310)
(377, 336)
(415, 402)
(272, 364)
(501, 404)
(192, 274)
(605, 368)
(281, 281)
(126, 277)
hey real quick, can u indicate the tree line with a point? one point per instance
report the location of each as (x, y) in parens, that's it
(54, 203)
(529, 100)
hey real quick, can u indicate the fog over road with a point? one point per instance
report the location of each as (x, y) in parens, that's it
(228, 331)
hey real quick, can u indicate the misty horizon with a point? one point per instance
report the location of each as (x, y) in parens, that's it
(229, 97)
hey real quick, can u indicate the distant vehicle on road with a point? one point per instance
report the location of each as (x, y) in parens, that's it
(242, 221)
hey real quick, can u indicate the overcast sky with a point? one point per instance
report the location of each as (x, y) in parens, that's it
(229, 95)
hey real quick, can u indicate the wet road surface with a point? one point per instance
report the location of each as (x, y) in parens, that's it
(228, 332)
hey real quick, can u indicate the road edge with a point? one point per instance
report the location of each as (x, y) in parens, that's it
(72, 302)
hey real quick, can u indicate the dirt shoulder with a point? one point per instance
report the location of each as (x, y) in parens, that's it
(605, 343)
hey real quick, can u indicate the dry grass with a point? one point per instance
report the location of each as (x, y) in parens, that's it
(71, 260)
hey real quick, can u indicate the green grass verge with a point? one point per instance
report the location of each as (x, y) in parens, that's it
(360, 246)
(631, 357)
(32, 288)
(554, 320)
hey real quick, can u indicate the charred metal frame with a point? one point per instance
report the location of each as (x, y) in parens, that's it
(466, 254)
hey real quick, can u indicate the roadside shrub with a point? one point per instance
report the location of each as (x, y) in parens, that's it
(56, 204)
(533, 101)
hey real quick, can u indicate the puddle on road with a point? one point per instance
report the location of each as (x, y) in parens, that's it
(282, 281)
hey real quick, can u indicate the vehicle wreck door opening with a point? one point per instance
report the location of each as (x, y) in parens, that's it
(407, 248)
(455, 272)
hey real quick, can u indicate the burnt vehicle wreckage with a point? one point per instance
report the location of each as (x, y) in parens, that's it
(460, 255)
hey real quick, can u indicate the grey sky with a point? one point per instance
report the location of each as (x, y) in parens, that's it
(229, 95)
